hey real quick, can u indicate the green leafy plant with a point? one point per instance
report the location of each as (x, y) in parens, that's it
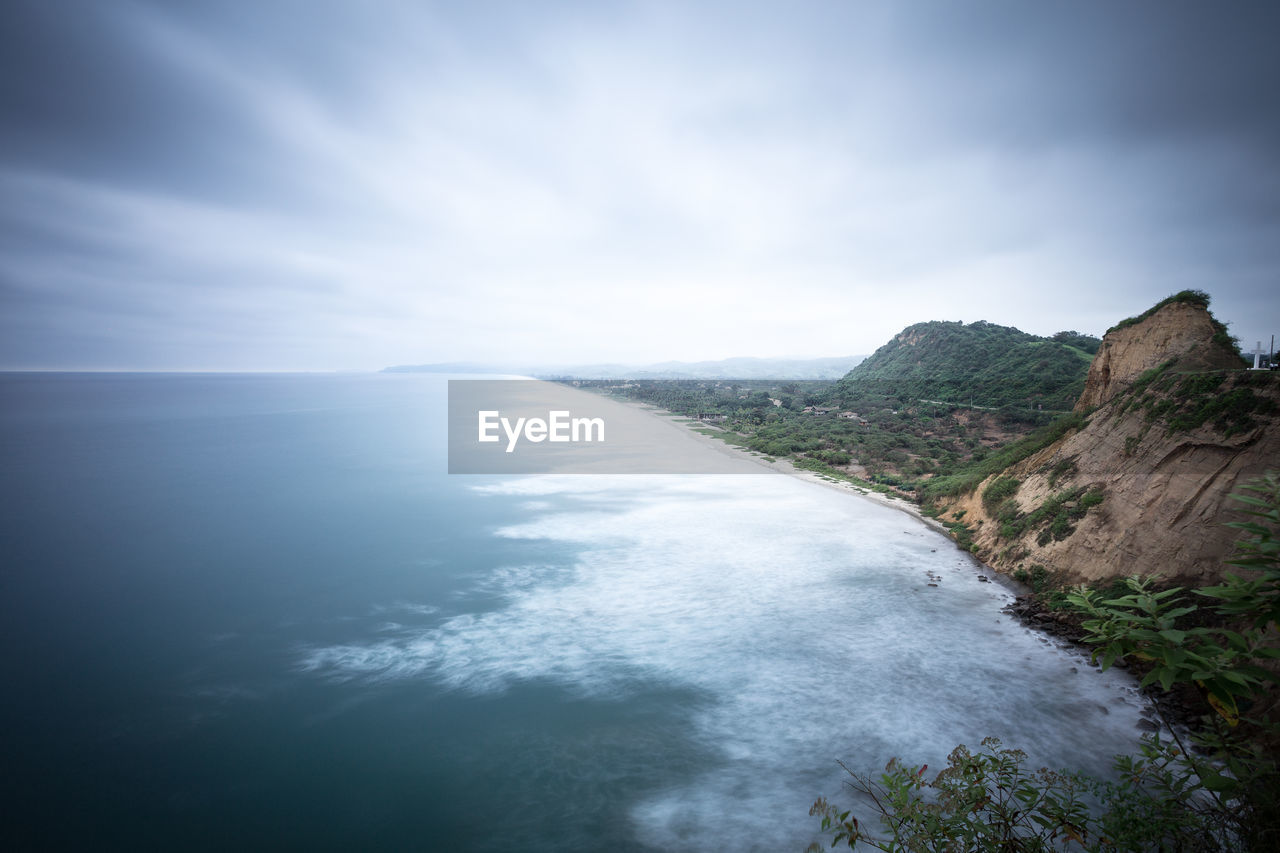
(981, 801)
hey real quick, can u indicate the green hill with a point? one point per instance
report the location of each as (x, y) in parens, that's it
(981, 364)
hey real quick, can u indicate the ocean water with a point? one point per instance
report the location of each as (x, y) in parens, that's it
(253, 612)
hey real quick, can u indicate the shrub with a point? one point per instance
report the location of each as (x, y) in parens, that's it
(1000, 489)
(981, 801)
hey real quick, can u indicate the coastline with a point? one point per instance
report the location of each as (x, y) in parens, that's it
(784, 466)
(1024, 608)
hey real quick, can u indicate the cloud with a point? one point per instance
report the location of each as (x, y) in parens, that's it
(318, 186)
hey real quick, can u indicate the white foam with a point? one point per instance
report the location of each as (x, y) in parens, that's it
(802, 614)
(413, 607)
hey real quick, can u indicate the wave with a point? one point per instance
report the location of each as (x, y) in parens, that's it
(804, 619)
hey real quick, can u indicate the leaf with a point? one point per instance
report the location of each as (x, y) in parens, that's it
(1226, 709)
(1216, 781)
(1173, 636)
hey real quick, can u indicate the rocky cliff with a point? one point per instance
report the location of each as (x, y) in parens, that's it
(1184, 332)
(1143, 486)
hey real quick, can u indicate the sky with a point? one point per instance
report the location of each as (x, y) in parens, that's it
(319, 185)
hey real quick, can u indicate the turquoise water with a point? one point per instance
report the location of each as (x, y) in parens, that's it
(253, 612)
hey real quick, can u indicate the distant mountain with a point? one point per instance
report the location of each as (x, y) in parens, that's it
(729, 368)
(456, 367)
(981, 363)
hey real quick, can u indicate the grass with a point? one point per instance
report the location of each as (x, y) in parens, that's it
(1000, 490)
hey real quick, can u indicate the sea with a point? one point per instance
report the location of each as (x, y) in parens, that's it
(254, 612)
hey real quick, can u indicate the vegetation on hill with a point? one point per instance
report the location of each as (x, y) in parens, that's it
(1225, 400)
(981, 363)
(967, 475)
(1079, 340)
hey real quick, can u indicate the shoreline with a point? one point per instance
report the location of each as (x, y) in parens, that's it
(1019, 590)
(784, 466)
(1025, 607)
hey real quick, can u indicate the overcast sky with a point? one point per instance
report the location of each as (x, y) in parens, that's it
(323, 185)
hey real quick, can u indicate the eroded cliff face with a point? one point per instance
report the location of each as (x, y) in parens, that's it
(1144, 486)
(1179, 331)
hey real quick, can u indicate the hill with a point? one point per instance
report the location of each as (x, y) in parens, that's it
(981, 363)
(1139, 478)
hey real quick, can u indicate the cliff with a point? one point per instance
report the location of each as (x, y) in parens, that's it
(1184, 332)
(1143, 486)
